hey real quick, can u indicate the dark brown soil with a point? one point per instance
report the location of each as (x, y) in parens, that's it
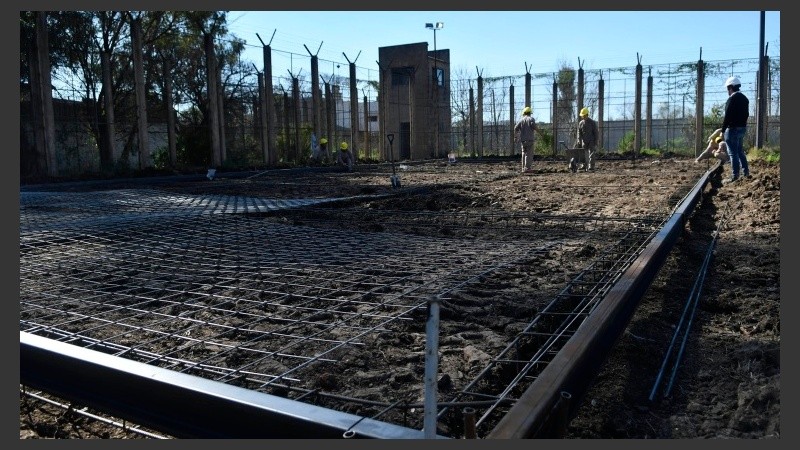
(728, 382)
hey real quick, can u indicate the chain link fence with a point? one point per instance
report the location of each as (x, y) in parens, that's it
(278, 127)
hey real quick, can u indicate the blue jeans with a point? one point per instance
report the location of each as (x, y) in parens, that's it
(734, 137)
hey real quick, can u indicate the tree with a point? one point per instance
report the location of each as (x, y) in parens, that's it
(566, 100)
(459, 101)
(498, 92)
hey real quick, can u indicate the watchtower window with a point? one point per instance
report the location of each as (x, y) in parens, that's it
(438, 76)
(401, 76)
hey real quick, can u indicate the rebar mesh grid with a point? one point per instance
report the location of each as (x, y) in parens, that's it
(286, 298)
(167, 280)
(529, 352)
(32, 399)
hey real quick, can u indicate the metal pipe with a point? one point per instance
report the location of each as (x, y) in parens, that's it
(562, 415)
(691, 315)
(691, 302)
(431, 368)
(469, 423)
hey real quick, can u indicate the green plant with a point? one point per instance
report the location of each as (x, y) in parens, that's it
(625, 144)
(713, 120)
(161, 158)
(651, 152)
(543, 144)
(678, 146)
(768, 154)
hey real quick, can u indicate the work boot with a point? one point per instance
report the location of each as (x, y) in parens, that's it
(730, 180)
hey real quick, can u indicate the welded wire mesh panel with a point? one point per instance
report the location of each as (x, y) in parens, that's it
(507, 375)
(324, 300)
(191, 284)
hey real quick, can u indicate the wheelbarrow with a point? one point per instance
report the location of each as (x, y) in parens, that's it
(575, 155)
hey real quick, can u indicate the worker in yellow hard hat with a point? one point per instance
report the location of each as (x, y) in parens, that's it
(524, 132)
(716, 148)
(323, 150)
(345, 157)
(587, 138)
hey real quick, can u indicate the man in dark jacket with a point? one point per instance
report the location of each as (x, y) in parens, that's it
(587, 138)
(734, 126)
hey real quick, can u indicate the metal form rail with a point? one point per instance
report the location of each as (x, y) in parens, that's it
(234, 352)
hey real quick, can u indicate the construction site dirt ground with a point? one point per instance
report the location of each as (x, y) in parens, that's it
(728, 382)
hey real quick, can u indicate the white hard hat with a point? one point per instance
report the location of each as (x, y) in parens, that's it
(733, 81)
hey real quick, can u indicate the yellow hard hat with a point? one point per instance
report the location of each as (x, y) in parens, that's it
(323, 141)
(343, 146)
(526, 110)
(584, 112)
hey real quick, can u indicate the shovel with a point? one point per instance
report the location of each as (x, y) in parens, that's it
(394, 178)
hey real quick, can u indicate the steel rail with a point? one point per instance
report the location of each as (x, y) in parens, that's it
(182, 405)
(557, 322)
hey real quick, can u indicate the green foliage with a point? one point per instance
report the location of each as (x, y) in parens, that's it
(625, 144)
(769, 154)
(543, 144)
(678, 146)
(713, 120)
(677, 143)
(161, 158)
(294, 154)
(373, 158)
(237, 158)
(567, 93)
(650, 152)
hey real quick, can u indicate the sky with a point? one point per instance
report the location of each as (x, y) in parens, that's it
(503, 43)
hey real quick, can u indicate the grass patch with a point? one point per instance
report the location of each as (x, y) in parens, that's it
(767, 153)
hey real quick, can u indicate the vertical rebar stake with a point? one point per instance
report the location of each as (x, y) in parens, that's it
(469, 423)
(562, 415)
(431, 368)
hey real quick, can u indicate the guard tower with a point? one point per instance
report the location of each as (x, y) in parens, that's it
(414, 101)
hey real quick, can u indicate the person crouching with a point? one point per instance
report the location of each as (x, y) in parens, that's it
(345, 157)
(717, 148)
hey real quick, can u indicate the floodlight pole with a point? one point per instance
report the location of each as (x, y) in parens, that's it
(435, 27)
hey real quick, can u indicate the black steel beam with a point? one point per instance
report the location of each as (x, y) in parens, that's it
(182, 405)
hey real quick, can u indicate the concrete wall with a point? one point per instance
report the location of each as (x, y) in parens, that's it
(78, 153)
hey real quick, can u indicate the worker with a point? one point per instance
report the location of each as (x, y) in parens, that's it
(587, 138)
(323, 150)
(524, 132)
(345, 157)
(716, 148)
